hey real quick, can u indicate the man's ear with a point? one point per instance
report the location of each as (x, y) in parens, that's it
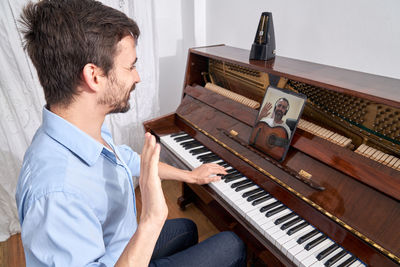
(93, 76)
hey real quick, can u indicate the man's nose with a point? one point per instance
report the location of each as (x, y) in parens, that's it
(137, 77)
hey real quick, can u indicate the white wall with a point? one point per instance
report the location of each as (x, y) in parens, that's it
(362, 35)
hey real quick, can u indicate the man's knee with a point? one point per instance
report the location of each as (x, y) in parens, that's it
(235, 247)
(186, 226)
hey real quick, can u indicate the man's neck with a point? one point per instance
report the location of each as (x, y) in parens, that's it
(278, 121)
(87, 118)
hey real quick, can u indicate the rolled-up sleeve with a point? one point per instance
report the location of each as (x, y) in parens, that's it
(131, 158)
(60, 229)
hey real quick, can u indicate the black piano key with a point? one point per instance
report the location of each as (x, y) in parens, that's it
(234, 178)
(348, 262)
(191, 142)
(307, 236)
(327, 251)
(315, 242)
(335, 258)
(252, 192)
(233, 174)
(270, 206)
(284, 218)
(205, 155)
(177, 134)
(182, 138)
(223, 164)
(275, 211)
(243, 187)
(261, 200)
(290, 223)
(296, 228)
(230, 177)
(244, 182)
(197, 151)
(232, 171)
(188, 147)
(257, 196)
(210, 159)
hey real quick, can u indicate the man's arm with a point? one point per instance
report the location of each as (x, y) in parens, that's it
(154, 209)
(203, 174)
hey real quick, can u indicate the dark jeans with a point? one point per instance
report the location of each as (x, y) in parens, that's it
(177, 246)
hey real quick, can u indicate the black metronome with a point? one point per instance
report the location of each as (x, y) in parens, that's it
(263, 47)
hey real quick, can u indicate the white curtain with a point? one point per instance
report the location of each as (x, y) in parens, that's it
(22, 100)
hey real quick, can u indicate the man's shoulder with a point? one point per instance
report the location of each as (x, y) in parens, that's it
(45, 155)
(45, 168)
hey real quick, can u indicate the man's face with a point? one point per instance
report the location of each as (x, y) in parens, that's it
(280, 109)
(122, 78)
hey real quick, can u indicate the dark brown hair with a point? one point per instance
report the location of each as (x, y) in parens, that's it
(62, 36)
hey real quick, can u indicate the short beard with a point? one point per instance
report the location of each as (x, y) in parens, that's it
(278, 115)
(112, 99)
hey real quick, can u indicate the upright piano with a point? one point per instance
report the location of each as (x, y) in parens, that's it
(334, 200)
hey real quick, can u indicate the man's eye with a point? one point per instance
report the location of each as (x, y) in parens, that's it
(132, 67)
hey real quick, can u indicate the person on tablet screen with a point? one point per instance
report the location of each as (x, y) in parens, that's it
(281, 109)
(271, 134)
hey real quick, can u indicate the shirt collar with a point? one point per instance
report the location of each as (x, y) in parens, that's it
(70, 136)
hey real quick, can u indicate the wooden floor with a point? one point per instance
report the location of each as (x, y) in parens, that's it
(11, 251)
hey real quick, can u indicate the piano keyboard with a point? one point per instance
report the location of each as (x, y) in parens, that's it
(301, 242)
(379, 156)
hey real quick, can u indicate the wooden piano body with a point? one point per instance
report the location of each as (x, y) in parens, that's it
(359, 208)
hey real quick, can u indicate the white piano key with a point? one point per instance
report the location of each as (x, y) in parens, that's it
(286, 238)
(270, 220)
(342, 260)
(297, 248)
(287, 244)
(357, 264)
(303, 254)
(307, 258)
(258, 218)
(280, 233)
(322, 262)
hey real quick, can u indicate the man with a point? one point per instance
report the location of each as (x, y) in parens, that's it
(281, 108)
(75, 196)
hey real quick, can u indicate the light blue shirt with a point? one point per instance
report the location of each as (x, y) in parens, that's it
(75, 198)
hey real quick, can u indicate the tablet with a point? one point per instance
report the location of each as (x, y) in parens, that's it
(276, 122)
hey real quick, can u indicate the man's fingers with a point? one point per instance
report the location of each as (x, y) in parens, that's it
(146, 146)
(215, 168)
(155, 157)
(149, 158)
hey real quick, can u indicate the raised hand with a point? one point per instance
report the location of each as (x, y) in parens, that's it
(266, 111)
(154, 207)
